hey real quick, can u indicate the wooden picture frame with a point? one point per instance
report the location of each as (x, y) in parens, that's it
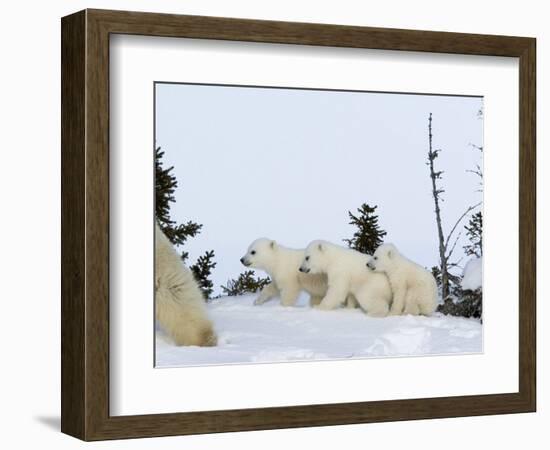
(85, 224)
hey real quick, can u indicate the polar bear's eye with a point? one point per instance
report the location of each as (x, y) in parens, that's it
(307, 258)
(375, 258)
(253, 252)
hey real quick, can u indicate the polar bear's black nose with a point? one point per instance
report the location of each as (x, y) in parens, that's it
(241, 260)
(301, 269)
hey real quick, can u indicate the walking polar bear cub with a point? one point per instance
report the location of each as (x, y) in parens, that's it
(414, 288)
(347, 275)
(179, 307)
(282, 263)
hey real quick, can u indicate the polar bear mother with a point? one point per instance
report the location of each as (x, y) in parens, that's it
(414, 288)
(282, 263)
(345, 269)
(179, 304)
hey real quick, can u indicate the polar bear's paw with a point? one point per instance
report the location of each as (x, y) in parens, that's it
(324, 307)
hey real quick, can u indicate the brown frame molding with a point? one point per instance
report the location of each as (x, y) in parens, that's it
(85, 224)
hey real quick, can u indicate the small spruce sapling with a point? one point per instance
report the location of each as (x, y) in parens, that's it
(368, 236)
(245, 283)
(474, 231)
(202, 270)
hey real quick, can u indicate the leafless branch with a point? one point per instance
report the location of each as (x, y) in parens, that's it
(456, 263)
(477, 172)
(454, 246)
(477, 147)
(471, 208)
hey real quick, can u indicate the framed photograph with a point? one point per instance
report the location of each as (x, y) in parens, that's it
(273, 225)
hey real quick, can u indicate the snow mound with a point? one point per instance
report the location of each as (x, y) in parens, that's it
(273, 333)
(472, 277)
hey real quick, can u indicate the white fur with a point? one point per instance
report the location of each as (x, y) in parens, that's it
(281, 264)
(179, 307)
(414, 288)
(347, 275)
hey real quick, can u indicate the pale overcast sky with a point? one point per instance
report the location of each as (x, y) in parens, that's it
(289, 164)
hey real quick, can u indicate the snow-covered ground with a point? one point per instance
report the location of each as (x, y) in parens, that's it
(273, 333)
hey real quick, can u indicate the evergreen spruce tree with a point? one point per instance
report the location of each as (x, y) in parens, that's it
(178, 234)
(368, 236)
(436, 272)
(466, 304)
(165, 185)
(202, 270)
(245, 283)
(474, 231)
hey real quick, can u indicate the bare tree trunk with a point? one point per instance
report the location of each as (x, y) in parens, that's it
(432, 155)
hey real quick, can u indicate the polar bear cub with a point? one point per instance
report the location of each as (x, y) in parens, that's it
(281, 264)
(179, 304)
(345, 269)
(414, 288)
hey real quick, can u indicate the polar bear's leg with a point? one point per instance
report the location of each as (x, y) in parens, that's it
(378, 308)
(334, 297)
(268, 292)
(428, 303)
(314, 300)
(411, 304)
(184, 319)
(351, 301)
(427, 308)
(289, 295)
(372, 302)
(398, 304)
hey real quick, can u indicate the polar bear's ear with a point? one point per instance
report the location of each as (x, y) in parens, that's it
(320, 246)
(390, 254)
(272, 244)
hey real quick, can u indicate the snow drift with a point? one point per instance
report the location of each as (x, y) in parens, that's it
(273, 333)
(472, 277)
